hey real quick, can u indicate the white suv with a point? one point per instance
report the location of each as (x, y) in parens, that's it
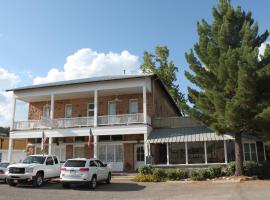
(82, 170)
(36, 168)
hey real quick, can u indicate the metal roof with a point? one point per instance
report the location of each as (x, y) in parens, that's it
(79, 81)
(185, 134)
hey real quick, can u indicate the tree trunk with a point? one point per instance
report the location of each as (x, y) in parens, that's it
(239, 169)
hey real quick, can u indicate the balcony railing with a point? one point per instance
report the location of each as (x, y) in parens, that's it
(105, 120)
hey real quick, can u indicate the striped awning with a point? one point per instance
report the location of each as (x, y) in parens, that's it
(185, 134)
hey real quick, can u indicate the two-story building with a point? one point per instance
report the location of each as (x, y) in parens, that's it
(132, 117)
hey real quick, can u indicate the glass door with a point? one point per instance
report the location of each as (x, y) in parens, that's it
(138, 155)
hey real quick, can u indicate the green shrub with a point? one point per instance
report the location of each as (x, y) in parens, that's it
(182, 173)
(172, 174)
(144, 178)
(199, 174)
(214, 172)
(230, 169)
(159, 174)
(145, 169)
(251, 168)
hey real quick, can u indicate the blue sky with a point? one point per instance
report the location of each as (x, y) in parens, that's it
(36, 36)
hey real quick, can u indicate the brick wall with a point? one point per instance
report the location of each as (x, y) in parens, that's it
(79, 106)
(128, 157)
(69, 151)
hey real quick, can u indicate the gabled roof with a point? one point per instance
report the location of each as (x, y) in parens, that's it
(80, 81)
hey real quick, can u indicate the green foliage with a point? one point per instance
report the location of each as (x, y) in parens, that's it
(159, 174)
(199, 174)
(177, 174)
(214, 172)
(145, 169)
(233, 81)
(144, 178)
(230, 169)
(160, 65)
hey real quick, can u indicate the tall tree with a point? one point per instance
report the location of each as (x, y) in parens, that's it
(159, 64)
(233, 80)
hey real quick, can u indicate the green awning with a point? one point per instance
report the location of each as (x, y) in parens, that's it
(185, 134)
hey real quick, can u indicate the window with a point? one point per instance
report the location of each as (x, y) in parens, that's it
(111, 108)
(196, 152)
(75, 163)
(140, 154)
(46, 111)
(133, 106)
(110, 152)
(79, 152)
(68, 111)
(49, 161)
(55, 160)
(90, 109)
(177, 153)
(215, 152)
(250, 151)
(92, 164)
(230, 151)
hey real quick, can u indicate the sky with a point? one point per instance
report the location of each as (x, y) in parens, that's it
(46, 40)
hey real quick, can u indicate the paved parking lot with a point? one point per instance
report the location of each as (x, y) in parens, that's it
(125, 189)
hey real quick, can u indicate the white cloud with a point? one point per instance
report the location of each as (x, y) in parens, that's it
(262, 48)
(88, 63)
(7, 80)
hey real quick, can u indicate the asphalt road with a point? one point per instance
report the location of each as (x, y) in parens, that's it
(125, 189)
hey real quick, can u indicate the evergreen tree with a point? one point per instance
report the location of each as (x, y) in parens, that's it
(160, 65)
(233, 80)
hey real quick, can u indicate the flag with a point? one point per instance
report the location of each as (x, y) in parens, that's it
(91, 138)
(43, 140)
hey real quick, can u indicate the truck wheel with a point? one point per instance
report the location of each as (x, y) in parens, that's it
(108, 180)
(65, 185)
(38, 180)
(93, 183)
(11, 182)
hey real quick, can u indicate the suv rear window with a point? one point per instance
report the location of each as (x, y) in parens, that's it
(75, 163)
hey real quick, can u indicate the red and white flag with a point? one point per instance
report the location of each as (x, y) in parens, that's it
(91, 138)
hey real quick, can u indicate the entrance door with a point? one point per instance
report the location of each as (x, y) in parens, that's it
(138, 155)
(60, 152)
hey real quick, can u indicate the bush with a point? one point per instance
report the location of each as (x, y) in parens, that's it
(251, 168)
(144, 178)
(173, 174)
(230, 169)
(145, 169)
(199, 174)
(214, 172)
(159, 174)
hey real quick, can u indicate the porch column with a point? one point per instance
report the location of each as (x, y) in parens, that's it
(146, 149)
(13, 113)
(205, 152)
(52, 110)
(186, 148)
(50, 146)
(168, 155)
(144, 105)
(264, 153)
(10, 148)
(225, 152)
(95, 147)
(95, 108)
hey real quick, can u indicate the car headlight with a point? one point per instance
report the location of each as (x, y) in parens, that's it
(29, 170)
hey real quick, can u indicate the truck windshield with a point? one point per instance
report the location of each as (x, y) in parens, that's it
(34, 159)
(75, 163)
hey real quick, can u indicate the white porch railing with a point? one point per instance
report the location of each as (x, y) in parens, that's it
(120, 119)
(105, 120)
(73, 122)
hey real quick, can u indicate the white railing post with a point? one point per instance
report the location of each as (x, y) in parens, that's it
(52, 110)
(13, 113)
(144, 105)
(95, 108)
(10, 148)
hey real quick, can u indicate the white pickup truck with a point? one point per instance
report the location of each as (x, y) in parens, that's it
(35, 168)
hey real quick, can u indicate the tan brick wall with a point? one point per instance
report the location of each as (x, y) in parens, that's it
(89, 151)
(18, 144)
(79, 106)
(133, 137)
(69, 151)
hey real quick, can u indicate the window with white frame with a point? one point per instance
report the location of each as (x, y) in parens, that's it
(110, 152)
(79, 151)
(133, 106)
(46, 111)
(68, 111)
(90, 109)
(250, 151)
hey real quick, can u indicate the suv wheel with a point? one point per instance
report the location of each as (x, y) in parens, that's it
(108, 180)
(11, 182)
(93, 183)
(38, 180)
(65, 185)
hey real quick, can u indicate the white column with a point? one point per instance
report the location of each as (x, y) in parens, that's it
(50, 146)
(205, 152)
(264, 153)
(168, 155)
(95, 107)
(10, 148)
(225, 152)
(146, 149)
(144, 105)
(13, 113)
(95, 147)
(186, 148)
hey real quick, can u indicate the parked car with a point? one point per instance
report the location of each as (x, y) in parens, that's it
(3, 170)
(82, 170)
(34, 168)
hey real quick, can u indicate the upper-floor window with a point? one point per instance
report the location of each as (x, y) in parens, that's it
(90, 109)
(68, 111)
(111, 108)
(46, 111)
(133, 106)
